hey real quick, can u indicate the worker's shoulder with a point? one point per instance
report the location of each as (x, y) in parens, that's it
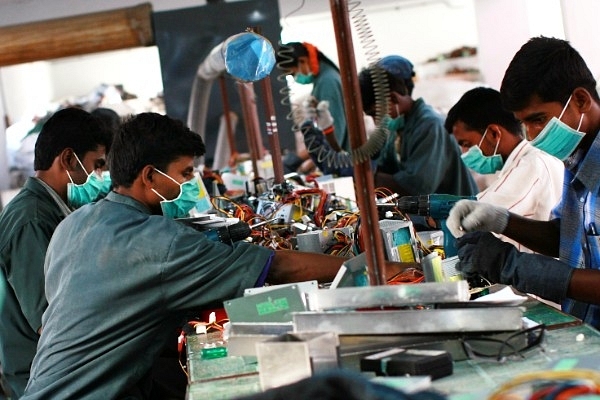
(27, 207)
(532, 156)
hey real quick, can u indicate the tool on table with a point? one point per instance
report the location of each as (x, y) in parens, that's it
(436, 206)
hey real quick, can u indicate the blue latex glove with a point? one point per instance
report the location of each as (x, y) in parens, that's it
(481, 253)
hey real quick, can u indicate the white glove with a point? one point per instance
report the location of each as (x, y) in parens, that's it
(324, 118)
(308, 107)
(470, 215)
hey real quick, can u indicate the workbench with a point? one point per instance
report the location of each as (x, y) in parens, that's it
(567, 341)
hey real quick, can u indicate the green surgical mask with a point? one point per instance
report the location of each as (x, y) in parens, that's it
(180, 206)
(480, 163)
(95, 187)
(395, 124)
(304, 79)
(557, 138)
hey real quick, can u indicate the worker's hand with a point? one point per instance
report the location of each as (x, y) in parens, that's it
(324, 117)
(309, 107)
(472, 258)
(470, 215)
(483, 254)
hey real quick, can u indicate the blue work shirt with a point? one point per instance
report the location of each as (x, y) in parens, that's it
(579, 215)
(27, 224)
(119, 282)
(429, 158)
(327, 85)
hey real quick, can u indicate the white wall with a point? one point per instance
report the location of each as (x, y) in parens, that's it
(417, 31)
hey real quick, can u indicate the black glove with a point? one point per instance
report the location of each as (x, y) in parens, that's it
(481, 253)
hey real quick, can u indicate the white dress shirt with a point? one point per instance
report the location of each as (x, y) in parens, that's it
(529, 184)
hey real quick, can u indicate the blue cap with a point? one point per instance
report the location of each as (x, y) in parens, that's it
(398, 66)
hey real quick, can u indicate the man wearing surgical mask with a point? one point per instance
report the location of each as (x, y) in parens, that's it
(70, 156)
(528, 181)
(550, 89)
(419, 157)
(131, 273)
(310, 66)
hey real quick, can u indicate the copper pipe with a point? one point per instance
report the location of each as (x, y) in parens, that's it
(226, 111)
(246, 91)
(363, 176)
(272, 132)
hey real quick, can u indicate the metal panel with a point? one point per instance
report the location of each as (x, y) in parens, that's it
(410, 321)
(389, 295)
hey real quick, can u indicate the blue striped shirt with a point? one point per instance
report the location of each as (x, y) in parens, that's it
(579, 215)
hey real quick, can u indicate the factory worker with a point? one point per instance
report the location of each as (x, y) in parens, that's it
(528, 181)
(70, 154)
(309, 65)
(132, 272)
(419, 156)
(550, 89)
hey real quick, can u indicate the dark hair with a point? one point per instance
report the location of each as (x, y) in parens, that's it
(373, 79)
(480, 107)
(150, 139)
(68, 128)
(109, 118)
(548, 68)
(288, 54)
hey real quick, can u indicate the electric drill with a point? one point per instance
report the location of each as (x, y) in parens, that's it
(436, 206)
(227, 234)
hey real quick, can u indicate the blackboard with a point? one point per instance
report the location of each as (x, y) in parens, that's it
(185, 37)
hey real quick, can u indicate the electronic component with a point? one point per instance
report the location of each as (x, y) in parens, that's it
(353, 272)
(319, 241)
(398, 361)
(436, 206)
(399, 240)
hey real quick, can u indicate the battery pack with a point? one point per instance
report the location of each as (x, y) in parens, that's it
(398, 361)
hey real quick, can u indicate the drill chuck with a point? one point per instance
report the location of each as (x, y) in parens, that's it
(229, 233)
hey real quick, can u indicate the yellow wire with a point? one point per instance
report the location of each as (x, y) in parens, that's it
(530, 377)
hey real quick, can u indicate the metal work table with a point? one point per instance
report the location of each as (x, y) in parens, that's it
(473, 379)
(566, 339)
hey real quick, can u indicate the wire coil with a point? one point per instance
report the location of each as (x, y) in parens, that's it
(377, 139)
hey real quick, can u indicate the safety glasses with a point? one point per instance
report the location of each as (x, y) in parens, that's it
(500, 350)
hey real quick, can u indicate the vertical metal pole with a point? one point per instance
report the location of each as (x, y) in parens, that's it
(4, 123)
(251, 123)
(356, 129)
(226, 111)
(272, 132)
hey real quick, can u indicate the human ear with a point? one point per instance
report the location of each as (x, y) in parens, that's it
(582, 100)
(494, 132)
(66, 159)
(147, 175)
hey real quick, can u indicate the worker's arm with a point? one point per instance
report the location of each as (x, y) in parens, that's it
(583, 286)
(326, 124)
(332, 141)
(297, 266)
(540, 236)
(471, 216)
(483, 254)
(387, 181)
